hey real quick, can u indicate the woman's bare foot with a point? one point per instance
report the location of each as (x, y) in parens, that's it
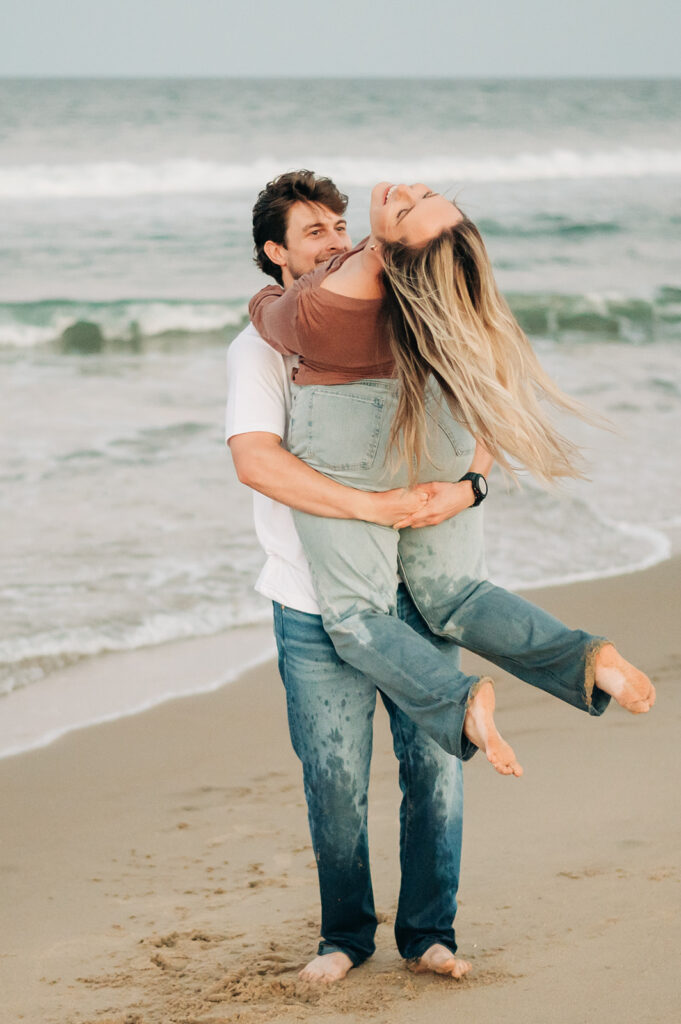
(624, 682)
(327, 968)
(438, 959)
(479, 727)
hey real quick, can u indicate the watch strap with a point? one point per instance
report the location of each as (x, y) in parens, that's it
(479, 491)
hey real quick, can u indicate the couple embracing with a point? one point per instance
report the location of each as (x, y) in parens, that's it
(367, 401)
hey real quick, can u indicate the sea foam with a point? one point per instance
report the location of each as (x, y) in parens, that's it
(24, 325)
(119, 179)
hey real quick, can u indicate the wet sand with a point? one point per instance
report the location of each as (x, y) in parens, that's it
(157, 869)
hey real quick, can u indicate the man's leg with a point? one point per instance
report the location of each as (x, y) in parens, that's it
(330, 712)
(431, 821)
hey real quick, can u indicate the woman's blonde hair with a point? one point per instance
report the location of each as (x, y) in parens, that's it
(448, 319)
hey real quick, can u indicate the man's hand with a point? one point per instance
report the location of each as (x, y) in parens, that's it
(386, 507)
(444, 501)
(262, 463)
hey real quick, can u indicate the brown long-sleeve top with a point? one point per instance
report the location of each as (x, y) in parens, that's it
(338, 339)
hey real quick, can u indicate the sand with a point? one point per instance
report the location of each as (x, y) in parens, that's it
(157, 869)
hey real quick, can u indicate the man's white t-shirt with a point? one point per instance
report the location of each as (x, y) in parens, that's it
(259, 399)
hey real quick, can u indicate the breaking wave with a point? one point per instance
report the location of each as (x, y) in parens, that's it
(119, 179)
(601, 317)
(27, 324)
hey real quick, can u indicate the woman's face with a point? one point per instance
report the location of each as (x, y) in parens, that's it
(411, 214)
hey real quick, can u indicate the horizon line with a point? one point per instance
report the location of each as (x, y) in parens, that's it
(226, 76)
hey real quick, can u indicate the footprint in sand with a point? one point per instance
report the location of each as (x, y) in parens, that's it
(174, 963)
(664, 875)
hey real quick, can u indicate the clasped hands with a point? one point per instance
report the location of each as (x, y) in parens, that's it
(425, 505)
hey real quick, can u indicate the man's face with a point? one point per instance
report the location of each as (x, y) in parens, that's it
(313, 235)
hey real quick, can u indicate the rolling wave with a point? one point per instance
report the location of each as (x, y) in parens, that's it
(120, 179)
(28, 324)
(91, 326)
(599, 317)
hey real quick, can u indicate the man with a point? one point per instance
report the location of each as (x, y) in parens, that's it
(298, 223)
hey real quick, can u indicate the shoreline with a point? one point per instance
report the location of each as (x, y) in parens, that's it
(131, 682)
(40, 713)
(157, 868)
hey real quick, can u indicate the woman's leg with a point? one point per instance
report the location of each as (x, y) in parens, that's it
(444, 569)
(497, 624)
(343, 432)
(354, 566)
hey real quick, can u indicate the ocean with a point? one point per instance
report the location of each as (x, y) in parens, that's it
(126, 268)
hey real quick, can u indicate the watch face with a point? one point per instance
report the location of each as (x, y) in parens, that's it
(482, 485)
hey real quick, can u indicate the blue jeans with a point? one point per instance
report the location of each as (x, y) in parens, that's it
(343, 432)
(330, 712)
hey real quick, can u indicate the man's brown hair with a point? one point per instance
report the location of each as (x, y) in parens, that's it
(270, 213)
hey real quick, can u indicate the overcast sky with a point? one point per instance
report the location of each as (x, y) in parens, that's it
(346, 37)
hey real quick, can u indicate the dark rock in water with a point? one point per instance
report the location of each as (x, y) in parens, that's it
(83, 337)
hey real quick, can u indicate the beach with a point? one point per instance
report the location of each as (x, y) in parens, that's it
(155, 856)
(157, 868)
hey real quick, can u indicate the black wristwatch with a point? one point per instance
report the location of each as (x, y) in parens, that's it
(480, 487)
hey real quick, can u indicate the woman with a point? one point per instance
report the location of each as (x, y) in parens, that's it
(375, 328)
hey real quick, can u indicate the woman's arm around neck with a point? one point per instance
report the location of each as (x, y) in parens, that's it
(359, 276)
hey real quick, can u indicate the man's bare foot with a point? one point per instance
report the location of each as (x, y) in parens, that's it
(624, 682)
(327, 968)
(438, 959)
(479, 727)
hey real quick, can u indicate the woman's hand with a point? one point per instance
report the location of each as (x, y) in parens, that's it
(386, 507)
(444, 501)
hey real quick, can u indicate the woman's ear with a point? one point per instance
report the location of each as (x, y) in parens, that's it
(374, 246)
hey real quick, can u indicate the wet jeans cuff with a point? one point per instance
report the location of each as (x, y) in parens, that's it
(330, 947)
